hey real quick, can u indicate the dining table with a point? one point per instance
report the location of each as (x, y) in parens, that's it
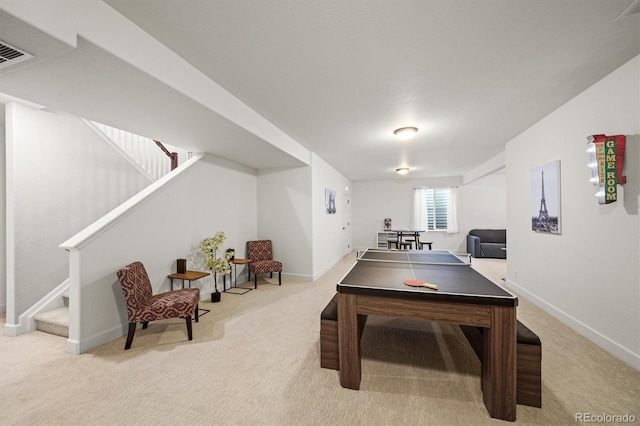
(407, 232)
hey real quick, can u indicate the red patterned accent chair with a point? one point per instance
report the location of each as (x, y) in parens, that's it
(143, 306)
(261, 255)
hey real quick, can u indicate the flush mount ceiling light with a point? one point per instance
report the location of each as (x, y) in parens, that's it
(402, 170)
(405, 133)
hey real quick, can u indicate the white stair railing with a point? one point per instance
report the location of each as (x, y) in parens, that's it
(143, 151)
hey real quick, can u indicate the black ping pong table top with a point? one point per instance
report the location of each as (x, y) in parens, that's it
(382, 272)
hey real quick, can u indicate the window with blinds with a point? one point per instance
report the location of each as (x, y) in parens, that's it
(437, 205)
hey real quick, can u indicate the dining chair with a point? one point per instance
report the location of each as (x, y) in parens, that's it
(392, 239)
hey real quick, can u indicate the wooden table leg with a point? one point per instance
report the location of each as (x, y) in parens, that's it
(348, 342)
(499, 364)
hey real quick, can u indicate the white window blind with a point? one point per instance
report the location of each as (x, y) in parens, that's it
(437, 201)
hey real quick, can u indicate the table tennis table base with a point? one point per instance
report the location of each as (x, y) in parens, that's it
(498, 378)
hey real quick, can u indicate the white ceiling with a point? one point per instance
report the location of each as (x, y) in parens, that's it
(339, 76)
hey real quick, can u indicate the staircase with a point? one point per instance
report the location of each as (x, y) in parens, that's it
(55, 321)
(150, 158)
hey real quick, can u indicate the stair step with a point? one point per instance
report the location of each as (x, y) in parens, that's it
(65, 298)
(54, 322)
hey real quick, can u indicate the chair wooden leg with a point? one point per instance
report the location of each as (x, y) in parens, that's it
(145, 324)
(271, 274)
(197, 315)
(189, 332)
(132, 331)
(279, 277)
(255, 280)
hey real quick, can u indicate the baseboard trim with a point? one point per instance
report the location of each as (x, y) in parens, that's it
(324, 270)
(285, 275)
(51, 301)
(301, 277)
(13, 330)
(77, 347)
(606, 343)
(73, 347)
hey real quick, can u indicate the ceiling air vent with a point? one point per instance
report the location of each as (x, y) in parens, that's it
(634, 8)
(10, 55)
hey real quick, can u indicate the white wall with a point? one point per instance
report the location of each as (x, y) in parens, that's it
(284, 216)
(329, 239)
(482, 205)
(63, 178)
(588, 276)
(182, 209)
(3, 224)
(291, 213)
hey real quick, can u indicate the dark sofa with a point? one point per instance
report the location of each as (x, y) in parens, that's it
(487, 243)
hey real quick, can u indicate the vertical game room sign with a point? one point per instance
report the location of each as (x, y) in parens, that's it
(606, 156)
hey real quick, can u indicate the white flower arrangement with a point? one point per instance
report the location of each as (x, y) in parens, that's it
(220, 265)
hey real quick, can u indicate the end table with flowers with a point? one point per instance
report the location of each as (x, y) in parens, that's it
(218, 265)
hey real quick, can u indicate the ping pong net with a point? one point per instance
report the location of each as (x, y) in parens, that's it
(431, 257)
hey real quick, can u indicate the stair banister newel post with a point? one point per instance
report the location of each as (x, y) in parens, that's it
(172, 155)
(174, 160)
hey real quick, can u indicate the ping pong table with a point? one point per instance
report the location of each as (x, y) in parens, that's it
(375, 286)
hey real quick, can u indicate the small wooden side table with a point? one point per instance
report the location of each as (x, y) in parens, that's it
(235, 263)
(190, 276)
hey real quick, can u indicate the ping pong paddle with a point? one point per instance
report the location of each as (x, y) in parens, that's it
(418, 283)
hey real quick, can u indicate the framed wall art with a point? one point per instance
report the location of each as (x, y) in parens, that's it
(330, 201)
(545, 198)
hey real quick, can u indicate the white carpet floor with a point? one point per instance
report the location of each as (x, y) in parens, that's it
(255, 360)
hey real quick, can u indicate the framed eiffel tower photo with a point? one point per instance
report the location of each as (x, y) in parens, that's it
(545, 198)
